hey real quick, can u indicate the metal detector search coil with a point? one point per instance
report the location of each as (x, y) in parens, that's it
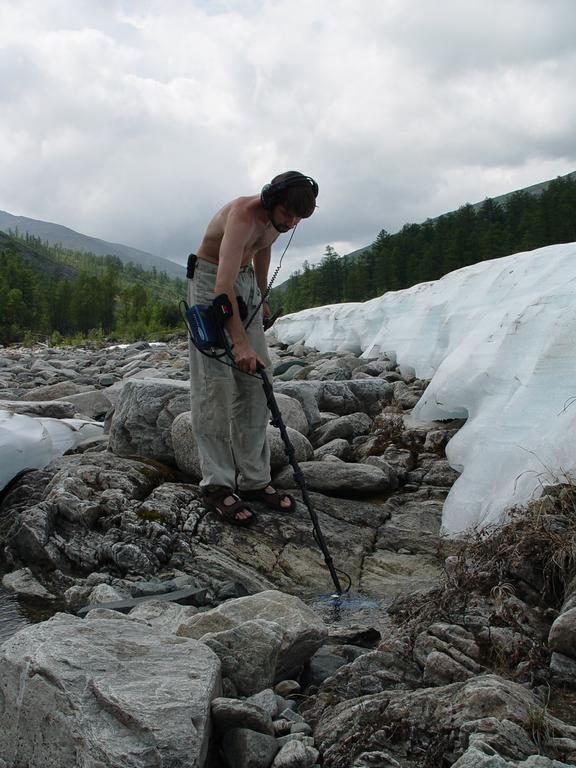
(203, 326)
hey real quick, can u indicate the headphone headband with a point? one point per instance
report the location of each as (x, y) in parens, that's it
(295, 179)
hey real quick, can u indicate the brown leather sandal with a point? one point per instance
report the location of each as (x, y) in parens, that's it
(214, 501)
(273, 500)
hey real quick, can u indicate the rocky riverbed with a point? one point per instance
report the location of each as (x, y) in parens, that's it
(466, 655)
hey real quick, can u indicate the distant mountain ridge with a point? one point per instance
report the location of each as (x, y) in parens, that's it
(56, 234)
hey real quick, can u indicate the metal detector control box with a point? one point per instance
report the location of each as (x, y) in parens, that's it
(204, 326)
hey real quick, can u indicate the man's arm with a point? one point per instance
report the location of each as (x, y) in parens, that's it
(237, 233)
(261, 265)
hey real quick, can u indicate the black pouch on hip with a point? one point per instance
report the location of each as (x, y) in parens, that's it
(191, 266)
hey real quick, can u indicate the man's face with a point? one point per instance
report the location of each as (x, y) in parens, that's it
(282, 219)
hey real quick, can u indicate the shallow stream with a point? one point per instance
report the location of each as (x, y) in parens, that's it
(12, 616)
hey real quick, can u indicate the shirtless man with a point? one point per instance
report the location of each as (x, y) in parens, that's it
(229, 409)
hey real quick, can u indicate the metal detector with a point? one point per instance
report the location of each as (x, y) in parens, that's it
(277, 421)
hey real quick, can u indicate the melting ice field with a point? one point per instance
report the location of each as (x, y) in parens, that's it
(498, 341)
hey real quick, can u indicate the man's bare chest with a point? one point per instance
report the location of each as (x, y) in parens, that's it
(263, 239)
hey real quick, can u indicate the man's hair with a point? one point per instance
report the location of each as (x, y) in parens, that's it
(295, 192)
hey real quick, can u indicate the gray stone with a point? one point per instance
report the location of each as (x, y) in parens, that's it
(94, 404)
(107, 380)
(25, 585)
(55, 391)
(248, 749)
(340, 448)
(562, 637)
(166, 616)
(143, 418)
(282, 727)
(104, 593)
(306, 394)
(187, 596)
(414, 524)
(287, 688)
(336, 479)
(345, 427)
(563, 669)
(185, 446)
(47, 409)
(232, 713)
(248, 653)
(486, 709)
(302, 631)
(295, 755)
(441, 474)
(303, 450)
(384, 466)
(295, 737)
(303, 728)
(442, 669)
(267, 701)
(96, 692)
(322, 665)
(292, 413)
(476, 758)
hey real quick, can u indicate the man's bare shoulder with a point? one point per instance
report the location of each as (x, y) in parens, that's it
(241, 209)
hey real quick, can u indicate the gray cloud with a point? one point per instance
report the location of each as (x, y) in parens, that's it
(134, 121)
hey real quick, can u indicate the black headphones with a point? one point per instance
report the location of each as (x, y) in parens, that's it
(295, 179)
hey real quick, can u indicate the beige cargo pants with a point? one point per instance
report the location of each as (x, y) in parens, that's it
(229, 409)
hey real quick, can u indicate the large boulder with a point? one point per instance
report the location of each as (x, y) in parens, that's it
(302, 631)
(186, 448)
(101, 692)
(562, 638)
(249, 654)
(94, 404)
(340, 397)
(102, 510)
(486, 712)
(293, 414)
(303, 450)
(142, 421)
(338, 478)
(344, 427)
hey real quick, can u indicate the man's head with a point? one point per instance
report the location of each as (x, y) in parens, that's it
(293, 191)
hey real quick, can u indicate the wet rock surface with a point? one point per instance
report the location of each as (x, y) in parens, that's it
(466, 658)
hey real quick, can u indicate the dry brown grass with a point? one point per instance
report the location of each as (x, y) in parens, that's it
(532, 555)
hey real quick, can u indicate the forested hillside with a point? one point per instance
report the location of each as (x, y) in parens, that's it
(48, 292)
(423, 252)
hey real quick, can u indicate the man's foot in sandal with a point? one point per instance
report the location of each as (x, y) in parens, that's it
(227, 505)
(277, 500)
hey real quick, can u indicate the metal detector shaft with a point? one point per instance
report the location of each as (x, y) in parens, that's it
(277, 421)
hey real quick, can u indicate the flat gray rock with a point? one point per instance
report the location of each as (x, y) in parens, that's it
(337, 479)
(302, 631)
(101, 692)
(188, 596)
(46, 408)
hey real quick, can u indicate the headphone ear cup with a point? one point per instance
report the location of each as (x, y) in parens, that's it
(266, 196)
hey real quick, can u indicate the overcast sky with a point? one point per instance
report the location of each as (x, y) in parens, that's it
(135, 120)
